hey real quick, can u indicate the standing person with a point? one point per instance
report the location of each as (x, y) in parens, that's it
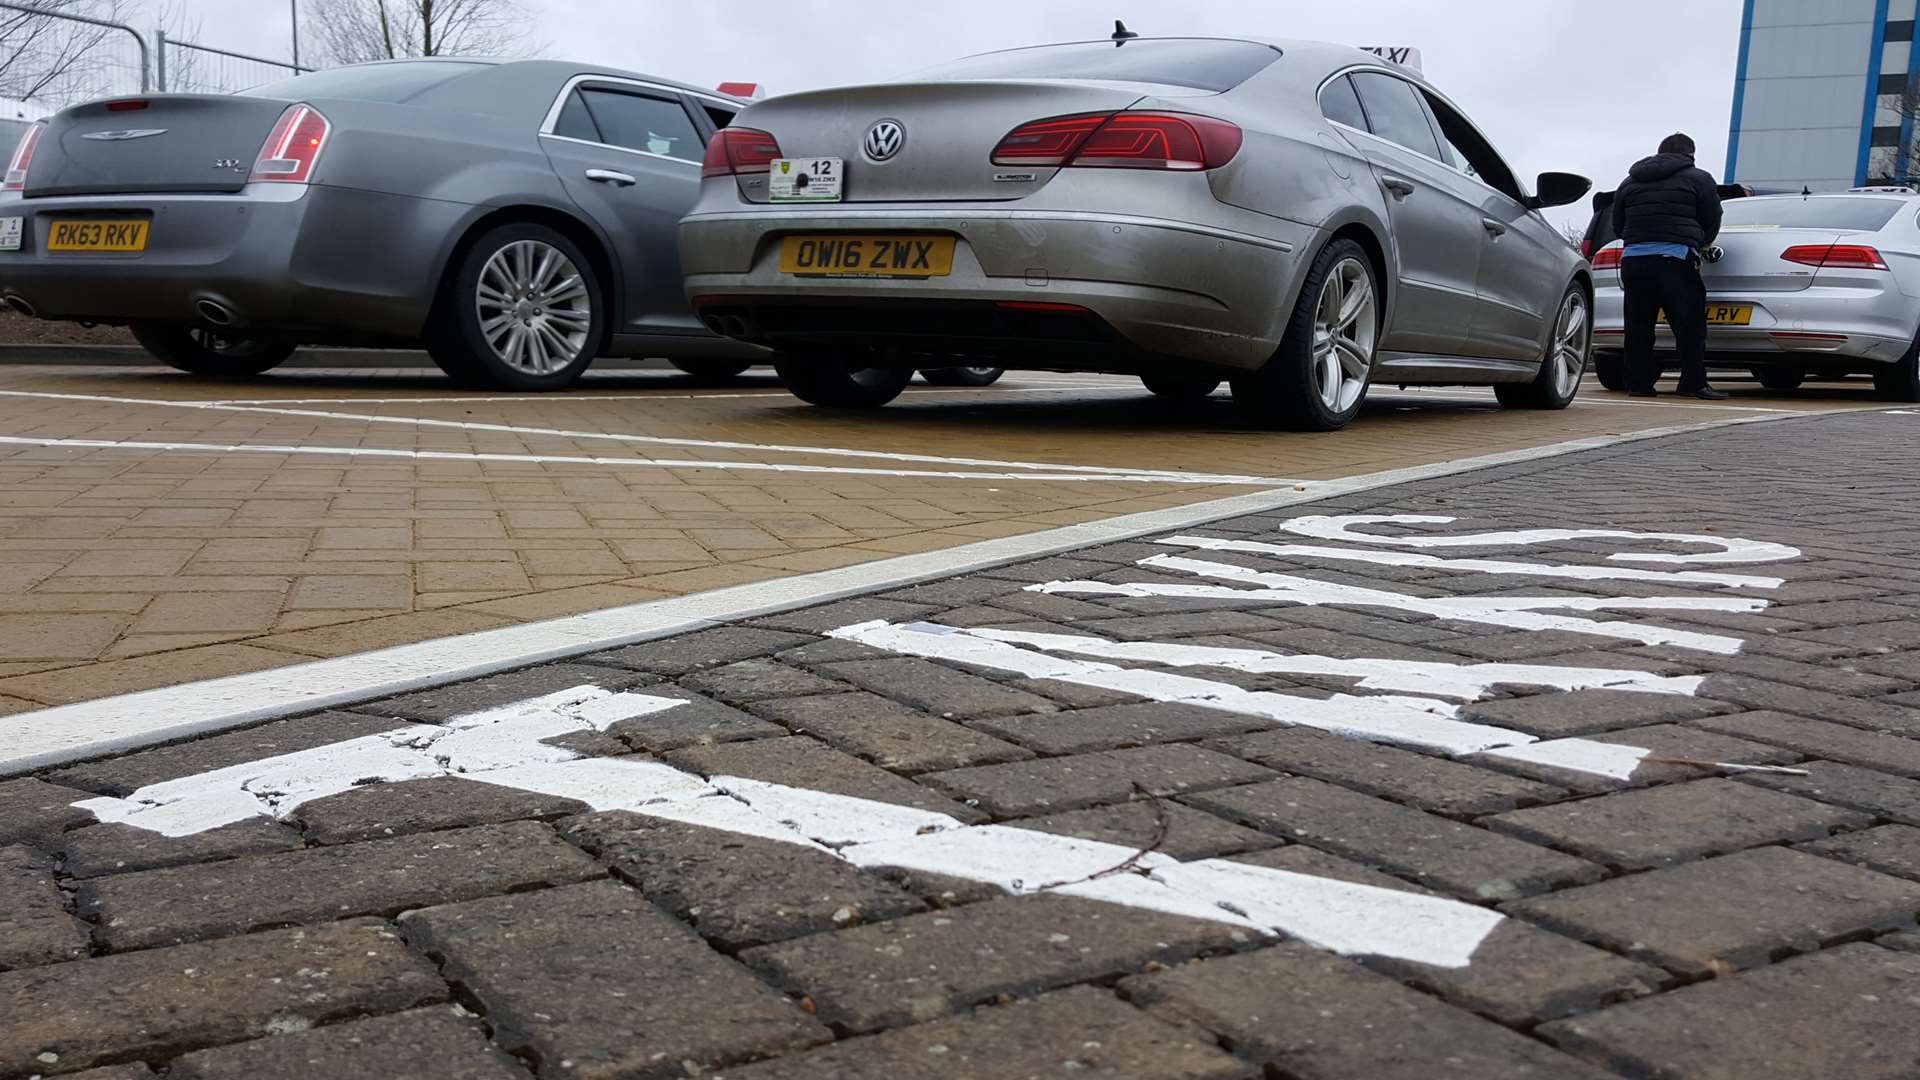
(1668, 212)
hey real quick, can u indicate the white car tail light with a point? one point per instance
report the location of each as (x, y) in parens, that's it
(1838, 256)
(294, 147)
(1608, 258)
(22, 160)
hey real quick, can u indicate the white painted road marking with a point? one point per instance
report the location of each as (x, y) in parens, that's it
(505, 747)
(1344, 528)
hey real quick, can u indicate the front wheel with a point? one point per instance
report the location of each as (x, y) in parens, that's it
(1611, 369)
(837, 381)
(1566, 361)
(1900, 380)
(1781, 377)
(962, 376)
(1318, 377)
(712, 370)
(202, 351)
(1180, 387)
(520, 311)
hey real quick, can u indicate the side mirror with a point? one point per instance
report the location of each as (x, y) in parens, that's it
(1559, 189)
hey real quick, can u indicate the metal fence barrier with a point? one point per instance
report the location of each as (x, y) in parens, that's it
(59, 58)
(183, 67)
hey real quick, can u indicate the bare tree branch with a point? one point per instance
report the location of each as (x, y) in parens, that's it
(356, 31)
(60, 61)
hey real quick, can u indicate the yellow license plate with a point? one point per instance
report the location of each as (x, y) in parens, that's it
(1725, 315)
(878, 256)
(97, 236)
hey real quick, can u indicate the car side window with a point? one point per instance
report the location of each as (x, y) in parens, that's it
(1393, 108)
(641, 122)
(1472, 154)
(1340, 104)
(575, 122)
(720, 115)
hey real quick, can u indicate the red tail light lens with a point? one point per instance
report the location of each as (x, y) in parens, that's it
(294, 147)
(737, 150)
(1127, 140)
(1841, 256)
(126, 106)
(22, 160)
(1608, 258)
(1586, 249)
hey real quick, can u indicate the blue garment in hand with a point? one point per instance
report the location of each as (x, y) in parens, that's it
(1671, 251)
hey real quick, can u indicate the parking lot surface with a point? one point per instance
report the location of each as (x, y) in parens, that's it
(248, 525)
(1603, 764)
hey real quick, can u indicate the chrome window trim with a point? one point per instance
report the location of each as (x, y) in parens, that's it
(619, 149)
(1438, 136)
(1091, 217)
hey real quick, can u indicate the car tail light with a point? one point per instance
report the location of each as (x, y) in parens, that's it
(1126, 140)
(16, 178)
(293, 148)
(126, 106)
(1586, 249)
(1608, 258)
(738, 150)
(1840, 256)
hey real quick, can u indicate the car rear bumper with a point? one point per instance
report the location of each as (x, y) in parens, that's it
(277, 257)
(1151, 290)
(1862, 325)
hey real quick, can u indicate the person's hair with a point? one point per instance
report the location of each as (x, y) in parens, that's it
(1677, 144)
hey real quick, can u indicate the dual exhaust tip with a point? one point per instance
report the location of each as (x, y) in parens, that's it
(728, 325)
(212, 311)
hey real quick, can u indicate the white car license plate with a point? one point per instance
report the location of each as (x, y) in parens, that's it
(805, 180)
(11, 229)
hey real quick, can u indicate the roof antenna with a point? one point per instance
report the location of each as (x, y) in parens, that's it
(1122, 35)
(1806, 191)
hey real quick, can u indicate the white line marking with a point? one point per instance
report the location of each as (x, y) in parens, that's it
(103, 726)
(651, 463)
(1342, 528)
(505, 747)
(650, 440)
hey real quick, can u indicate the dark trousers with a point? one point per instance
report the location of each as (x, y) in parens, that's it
(1654, 283)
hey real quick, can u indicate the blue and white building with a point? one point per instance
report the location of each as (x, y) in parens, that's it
(1817, 100)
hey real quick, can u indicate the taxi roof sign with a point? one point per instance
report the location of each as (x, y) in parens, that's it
(1884, 189)
(750, 91)
(1405, 56)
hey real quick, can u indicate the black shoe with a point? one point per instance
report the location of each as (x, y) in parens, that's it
(1706, 393)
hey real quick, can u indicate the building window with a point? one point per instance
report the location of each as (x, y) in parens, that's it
(1886, 136)
(1900, 31)
(1894, 85)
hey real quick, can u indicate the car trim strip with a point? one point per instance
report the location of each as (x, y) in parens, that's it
(621, 149)
(1089, 217)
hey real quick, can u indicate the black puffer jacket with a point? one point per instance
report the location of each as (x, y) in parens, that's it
(1666, 200)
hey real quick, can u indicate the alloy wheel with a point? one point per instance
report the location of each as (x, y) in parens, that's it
(534, 307)
(1345, 328)
(1572, 341)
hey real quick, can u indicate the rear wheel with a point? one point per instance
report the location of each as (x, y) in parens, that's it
(838, 381)
(1900, 381)
(1180, 387)
(1611, 369)
(1781, 376)
(1566, 360)
(1318, 377)
(521, 311)
(712, 370)
(963, 376)
(203, 351)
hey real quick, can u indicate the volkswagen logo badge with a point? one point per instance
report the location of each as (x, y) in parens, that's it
(885, 139)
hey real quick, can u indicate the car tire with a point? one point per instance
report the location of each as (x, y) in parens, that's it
(835, 380)
(538, 323)
(1900, 380)
(1180, 387)
(1780, 377)
(199, 350)
(1565, 363)
(962, 376)
(1305, 388)
(712, 370)
(1611, 369)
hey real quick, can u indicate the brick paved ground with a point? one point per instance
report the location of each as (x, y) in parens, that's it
(1677, 922)
(123, 570)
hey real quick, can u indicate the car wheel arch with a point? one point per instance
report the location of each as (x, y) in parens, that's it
(1370, 242)
(583, 235)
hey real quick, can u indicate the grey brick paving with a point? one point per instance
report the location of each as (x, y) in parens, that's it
(1760, 694)
(798, 761)
(441, 1043)
(757, 680)
(595, 976)
(1030, 788)
(1079, 1032)
(121, 776)
(1584, 712)
(1895, 798)
(1730, 912)
(34, 925)
(1312, 1015)
(1167, 827)
(1086, 730)
(1839, 742)
(927, 966)
(377, 811)
(939, 690)
(119, 1008)
(1847, 1012)
(699, 650)
(1890, 849)
(118, 849)
(890, 735)
(184, 903)
(34, 811)
(443, 703)
(1430, 783)
(702, 721)
(1661, 740)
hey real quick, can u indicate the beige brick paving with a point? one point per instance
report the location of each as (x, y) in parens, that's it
(124, 570)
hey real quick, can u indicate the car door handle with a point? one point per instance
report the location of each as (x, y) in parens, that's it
(1399, 186)
(1497, 228)
(608, 176)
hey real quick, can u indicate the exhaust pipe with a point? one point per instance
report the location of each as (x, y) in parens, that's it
(20, 304)
(214, 312)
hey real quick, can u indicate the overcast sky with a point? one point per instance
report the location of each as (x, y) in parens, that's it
(1557, 84)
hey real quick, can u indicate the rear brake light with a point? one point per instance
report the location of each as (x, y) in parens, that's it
(737, 150)
(1842, 256)
(1586, 249)
(1608, 258)
(16, 178)
(126, 106)
(1127, 140)
(293, 148)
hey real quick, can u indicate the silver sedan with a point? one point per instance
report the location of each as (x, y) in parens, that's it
(516, 218)
(1801, 285)
(1301, 219)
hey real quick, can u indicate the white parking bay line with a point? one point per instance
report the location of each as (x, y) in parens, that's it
(129, 721)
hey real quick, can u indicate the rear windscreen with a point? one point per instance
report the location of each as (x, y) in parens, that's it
(392, 83)
(1218, 66)
(1864, 215)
